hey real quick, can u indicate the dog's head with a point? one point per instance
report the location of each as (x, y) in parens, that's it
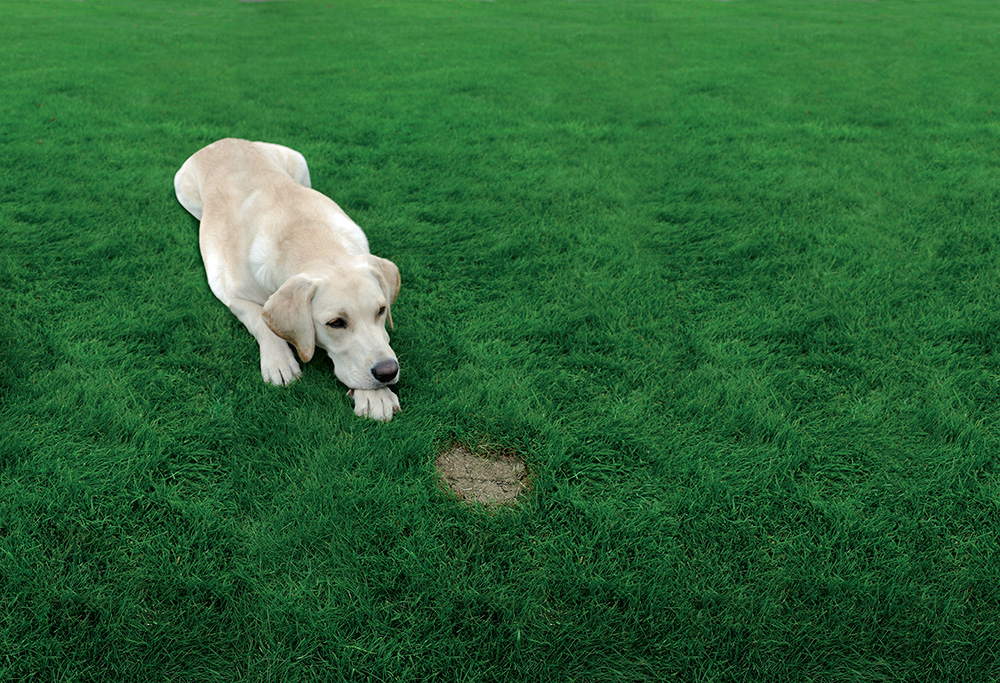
(343, 312)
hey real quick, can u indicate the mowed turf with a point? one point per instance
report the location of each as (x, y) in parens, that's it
(724, 273)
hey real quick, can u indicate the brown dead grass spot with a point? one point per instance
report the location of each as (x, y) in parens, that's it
(490, 477)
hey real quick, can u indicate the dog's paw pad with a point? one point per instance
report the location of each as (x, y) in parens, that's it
(378, 404)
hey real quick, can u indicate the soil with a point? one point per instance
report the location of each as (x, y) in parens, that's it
(490, 478)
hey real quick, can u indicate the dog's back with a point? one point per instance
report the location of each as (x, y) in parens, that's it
(215, 170)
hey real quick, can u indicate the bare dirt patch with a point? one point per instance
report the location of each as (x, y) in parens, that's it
(489, 477)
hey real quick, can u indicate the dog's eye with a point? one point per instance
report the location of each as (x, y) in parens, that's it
(337, 323)
(381, 312)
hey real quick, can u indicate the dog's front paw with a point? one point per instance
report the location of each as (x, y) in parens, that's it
(279, 367)
(378, 404)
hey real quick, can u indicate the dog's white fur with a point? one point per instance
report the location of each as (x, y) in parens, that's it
(291, 265)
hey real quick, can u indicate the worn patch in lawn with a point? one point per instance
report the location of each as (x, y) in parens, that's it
(490, 476)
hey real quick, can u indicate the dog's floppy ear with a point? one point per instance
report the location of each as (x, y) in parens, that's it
(388, 274)
(289, 314)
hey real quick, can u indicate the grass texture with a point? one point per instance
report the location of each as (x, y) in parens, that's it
(724, 273)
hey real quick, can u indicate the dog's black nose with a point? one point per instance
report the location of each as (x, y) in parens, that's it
(385, 371)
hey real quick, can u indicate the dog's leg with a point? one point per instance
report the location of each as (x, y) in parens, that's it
(378, 404)
(291, 161)
(277, 361)
(186, 189)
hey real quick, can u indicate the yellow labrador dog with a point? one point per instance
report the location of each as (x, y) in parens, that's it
(291, 265)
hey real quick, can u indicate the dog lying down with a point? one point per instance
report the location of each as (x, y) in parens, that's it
(291, 265)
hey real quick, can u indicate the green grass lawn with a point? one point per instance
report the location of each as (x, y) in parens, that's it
(724, 273)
